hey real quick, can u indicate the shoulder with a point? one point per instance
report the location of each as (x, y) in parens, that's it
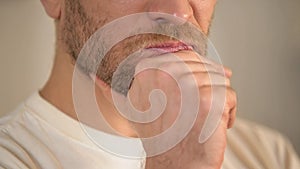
(12, 152)
(251, 132)
(10, 160)
(260, 147)
(10, 120)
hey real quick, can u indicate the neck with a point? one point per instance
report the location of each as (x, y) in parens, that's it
(58, 89)
(58, 92)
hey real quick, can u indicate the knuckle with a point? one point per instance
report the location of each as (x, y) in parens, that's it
(231, 98)
(205, 99)
(165, 65)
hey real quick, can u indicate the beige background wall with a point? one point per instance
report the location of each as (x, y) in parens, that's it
(26, 50)
(258, 39)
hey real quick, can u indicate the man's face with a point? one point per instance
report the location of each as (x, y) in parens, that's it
(82, 18)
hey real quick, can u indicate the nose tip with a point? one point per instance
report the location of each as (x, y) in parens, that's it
(164, 18)
(170, 11)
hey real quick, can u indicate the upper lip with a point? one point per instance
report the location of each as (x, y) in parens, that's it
(170, 44)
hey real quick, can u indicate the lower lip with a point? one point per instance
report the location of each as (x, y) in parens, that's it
(171, 49)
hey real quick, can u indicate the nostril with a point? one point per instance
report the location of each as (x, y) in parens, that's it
(164, 18)
(161, 20)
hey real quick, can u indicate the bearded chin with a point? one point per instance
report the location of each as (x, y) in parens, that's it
(79, 27)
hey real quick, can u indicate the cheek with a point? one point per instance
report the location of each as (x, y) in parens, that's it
(112, 9)
(203, 12)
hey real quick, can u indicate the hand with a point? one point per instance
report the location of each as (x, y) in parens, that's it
(189, 153)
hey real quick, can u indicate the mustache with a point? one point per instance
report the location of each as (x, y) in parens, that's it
(103, 60)
(185, 33)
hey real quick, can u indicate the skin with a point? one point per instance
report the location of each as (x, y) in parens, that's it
(73, 29)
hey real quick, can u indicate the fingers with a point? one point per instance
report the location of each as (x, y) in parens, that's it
(217, 108)
(195, 62)
(231, 106)
(189, 57)
(210, 78)
(213, 75)
(206, 73)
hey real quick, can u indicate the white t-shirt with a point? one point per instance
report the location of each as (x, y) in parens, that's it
(37, 135)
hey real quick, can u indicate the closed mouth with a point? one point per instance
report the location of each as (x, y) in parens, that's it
(170, 47)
